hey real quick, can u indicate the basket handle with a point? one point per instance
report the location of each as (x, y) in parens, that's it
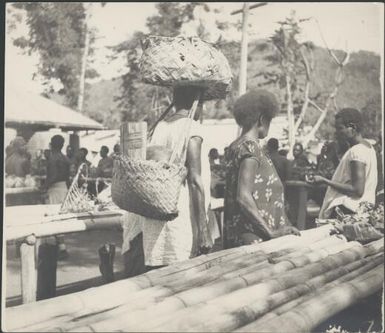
(185, 137)
(163, 115)
(74, 183)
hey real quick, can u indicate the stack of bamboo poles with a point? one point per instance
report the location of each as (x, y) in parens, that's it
(286, 284)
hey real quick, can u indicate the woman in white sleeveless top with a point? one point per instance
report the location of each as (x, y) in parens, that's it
(355, 179)
(167, 242)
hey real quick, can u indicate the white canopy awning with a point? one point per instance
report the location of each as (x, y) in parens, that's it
(24, 108)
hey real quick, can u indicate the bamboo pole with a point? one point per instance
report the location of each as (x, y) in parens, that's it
(111, 294)
(309, 314)
(275, 298)
(240, 297)
(144, 301)
(139, 299)
(251, 312)
(114, 294)
(171, 303)
(150, 298)
(356, 270)
(28, 270)
(205, 293)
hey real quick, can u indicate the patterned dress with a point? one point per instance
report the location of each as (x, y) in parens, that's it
(267, 192)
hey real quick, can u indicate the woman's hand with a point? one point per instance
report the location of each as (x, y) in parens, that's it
(289, 230)
(315, 179)
(205, 242)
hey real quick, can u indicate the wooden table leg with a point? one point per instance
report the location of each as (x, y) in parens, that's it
(302, 203)
(28, 270)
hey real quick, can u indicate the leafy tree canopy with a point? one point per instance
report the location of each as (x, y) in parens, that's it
(57, 33)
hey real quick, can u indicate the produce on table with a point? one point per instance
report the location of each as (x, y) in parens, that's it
(10, 181)
(20, 182)
(30, 181)
(366, 225)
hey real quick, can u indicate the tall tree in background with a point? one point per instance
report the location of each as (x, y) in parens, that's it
(57, 33)
(297, 77)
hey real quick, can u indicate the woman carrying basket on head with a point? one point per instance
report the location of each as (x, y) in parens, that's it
(166, 242)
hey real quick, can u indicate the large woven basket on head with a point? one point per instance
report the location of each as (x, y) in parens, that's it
(175, 61)
(151, 188)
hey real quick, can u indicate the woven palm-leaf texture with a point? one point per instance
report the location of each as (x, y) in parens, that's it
(176, 61)
(148, 188)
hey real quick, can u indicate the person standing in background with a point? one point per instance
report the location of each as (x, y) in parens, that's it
(70, 154)
(72, 159)
(300, 164)
(58, 171)
(104, 168)
(214, 157)
(82, 158)
(355, 179)
(281, 163)
(105, 164)
(18, 161)
(116, 151)
(300, 160)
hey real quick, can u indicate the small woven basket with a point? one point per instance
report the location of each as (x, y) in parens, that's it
(148, 188)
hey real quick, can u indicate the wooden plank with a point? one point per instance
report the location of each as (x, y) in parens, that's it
(28, 270)
(133, 139)
(23, 190)
(63, 227)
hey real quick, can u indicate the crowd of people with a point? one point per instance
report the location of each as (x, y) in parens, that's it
(250, 176)
(57, 170)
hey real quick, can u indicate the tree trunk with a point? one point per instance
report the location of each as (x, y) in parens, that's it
(84, 62)
(290, 115)
(243, 65)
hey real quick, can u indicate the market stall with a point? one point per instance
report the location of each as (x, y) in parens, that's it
(280, 285)
(26, 226)
(29, 113)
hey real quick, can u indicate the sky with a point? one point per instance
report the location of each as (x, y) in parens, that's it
(356, 26)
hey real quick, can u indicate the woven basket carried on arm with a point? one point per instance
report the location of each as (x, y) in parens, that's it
(151, 188)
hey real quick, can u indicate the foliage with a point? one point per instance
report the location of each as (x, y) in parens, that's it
(56, 32)
(171, 16)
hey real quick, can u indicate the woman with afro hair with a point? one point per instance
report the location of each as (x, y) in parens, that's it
(254, 199)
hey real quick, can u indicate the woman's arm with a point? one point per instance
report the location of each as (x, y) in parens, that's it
(354, 190)
(194, 178)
